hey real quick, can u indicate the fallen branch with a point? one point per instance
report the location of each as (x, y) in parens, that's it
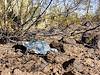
(72, 34)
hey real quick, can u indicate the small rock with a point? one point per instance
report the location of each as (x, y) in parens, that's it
(3, 40)
(89, 62)
(57, 45)
(20, 47)
(67, 63)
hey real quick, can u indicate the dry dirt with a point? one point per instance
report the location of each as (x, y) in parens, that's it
(76, 60)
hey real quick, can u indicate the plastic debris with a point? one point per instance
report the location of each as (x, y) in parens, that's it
(39, 47)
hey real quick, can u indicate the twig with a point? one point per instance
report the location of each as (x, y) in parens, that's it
(72, 34)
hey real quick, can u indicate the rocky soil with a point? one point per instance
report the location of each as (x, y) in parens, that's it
(76, 60)
(72, 58)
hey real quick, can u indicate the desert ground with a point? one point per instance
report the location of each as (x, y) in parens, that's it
(76, 59)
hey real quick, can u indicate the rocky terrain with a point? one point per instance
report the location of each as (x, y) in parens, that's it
(76, 60)
(72, 58)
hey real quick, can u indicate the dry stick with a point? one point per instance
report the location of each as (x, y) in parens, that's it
(72, 34)
(36, 19)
